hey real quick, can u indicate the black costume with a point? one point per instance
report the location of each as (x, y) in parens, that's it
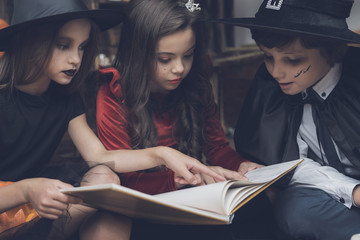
(31, 128)
(269, 121)
(267, 130)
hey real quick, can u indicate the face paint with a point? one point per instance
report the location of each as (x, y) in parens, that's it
(295, 67)
(303, 71)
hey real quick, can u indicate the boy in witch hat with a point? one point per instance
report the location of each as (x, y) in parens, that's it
(304, 103)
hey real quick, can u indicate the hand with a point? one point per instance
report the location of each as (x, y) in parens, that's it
(187, 169)
(180, 182)
(45, 197)
(356, 195)
(248, 166)
(227, 174)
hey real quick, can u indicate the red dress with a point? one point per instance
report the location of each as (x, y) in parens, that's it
(112, 127)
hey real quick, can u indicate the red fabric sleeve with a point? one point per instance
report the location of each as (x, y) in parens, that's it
(217, 149)
(112, 127)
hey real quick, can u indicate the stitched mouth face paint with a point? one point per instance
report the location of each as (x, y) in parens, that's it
(302, 71)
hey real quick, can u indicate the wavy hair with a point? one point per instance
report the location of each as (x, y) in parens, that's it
(147, 22)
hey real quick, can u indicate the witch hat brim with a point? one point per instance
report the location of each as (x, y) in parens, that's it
(104, 18)
(293, 28)
(318, 18)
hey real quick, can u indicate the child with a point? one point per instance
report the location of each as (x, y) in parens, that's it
(160, 95)
(304, 103)
(49, 49)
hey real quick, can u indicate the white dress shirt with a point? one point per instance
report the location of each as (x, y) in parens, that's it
(312, 174)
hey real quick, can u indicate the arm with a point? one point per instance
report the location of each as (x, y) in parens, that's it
(127, 160)
(311, 174)
(42, 193)
(112, 129)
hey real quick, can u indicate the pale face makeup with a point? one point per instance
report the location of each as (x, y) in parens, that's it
(68, 51)
(174, 59)
(294, 67)
(66, 57)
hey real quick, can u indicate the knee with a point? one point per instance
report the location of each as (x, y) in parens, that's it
(294, 221)
(296, 216)
(104, 225)
(100, 174)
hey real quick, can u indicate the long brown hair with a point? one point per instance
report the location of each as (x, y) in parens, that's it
(147, 22)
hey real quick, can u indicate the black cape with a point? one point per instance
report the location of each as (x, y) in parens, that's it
(269, 120)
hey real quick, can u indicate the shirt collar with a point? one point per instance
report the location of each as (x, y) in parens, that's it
(325, 86)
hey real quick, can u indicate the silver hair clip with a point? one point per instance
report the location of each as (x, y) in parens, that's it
(191, 6)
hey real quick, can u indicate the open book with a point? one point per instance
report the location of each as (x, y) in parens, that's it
(205, 205)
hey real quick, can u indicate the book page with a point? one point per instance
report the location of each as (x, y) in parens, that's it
(208, 197)
(222, 197)
(238, 195)
(268, 173)
(197, 205)
(259, 179)
(217, 197)
(136, 204)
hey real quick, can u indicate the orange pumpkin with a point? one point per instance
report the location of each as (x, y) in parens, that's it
(16, 216)
(3, 24)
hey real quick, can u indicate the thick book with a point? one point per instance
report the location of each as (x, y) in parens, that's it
(212, 204)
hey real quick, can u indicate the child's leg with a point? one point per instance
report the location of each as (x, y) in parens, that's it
(78, 214)
(106, 225)
(308, 213)
(144, 230)
(103, 224)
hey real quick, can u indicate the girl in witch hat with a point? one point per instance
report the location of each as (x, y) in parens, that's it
(304, 103)
(49, 49)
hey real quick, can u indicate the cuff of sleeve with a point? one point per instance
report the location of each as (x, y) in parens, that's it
(346, 197)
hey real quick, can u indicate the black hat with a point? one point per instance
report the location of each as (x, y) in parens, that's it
(320, 18)
(29, 13)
